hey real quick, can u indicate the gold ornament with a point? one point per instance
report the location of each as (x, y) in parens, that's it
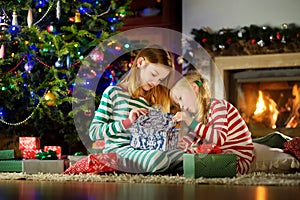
(77, 17)
(50, 98)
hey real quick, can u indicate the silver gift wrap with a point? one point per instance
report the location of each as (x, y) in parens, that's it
(154, 131)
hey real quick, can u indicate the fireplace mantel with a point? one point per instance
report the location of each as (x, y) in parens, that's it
(262, 61)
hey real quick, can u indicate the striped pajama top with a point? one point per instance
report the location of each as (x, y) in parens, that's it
(227, 129)
(108, 124)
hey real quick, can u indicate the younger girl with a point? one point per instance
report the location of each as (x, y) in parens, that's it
(122, 104)
(211, 120)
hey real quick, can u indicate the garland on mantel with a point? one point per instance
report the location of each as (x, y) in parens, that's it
(249, 40)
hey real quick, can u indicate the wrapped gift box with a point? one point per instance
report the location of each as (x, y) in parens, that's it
(10, 165)
(34, 166)
(156, 130)
(209, 165)
(7, 154)
(57, 149)
(30, 153)
(29, 143)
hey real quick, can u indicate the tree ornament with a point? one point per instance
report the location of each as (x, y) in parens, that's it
(29, 65)
(40, 4)
(50, 98)
(13, 30)
(29, 18)
(68, 61)
(58, 10)
(4, 22)
(2, 51)
(59, 63)
(14, 19)
(77, 18)
(51, 28)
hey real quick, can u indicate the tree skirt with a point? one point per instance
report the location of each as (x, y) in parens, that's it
(257, 178)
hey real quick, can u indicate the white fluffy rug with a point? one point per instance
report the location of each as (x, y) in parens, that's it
(257, 178)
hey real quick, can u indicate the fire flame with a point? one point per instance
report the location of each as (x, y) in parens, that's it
(266, 110)
(260, 104)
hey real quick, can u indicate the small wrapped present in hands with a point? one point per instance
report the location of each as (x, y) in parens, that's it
(154, 131)
(208, 149)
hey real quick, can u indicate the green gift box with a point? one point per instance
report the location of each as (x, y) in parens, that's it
(10, 165)
(7, 154)
(209, 165)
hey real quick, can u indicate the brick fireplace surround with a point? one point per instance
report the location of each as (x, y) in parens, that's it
(227, 64)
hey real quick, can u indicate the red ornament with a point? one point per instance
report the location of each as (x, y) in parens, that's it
(228, 41)
(204, 40)
(278, 36)
(253, 41)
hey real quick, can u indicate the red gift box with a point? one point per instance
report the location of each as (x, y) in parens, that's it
(95, 163)
(57, 149)
(29, 143)
(30, 153)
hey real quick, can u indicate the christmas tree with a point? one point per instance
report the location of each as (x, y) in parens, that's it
(43, 43)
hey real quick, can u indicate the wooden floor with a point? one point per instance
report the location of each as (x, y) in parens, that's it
(29, 190)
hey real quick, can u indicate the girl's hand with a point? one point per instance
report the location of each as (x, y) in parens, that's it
(135, 113)
(183, 116)
(181, 144)
(177, 117)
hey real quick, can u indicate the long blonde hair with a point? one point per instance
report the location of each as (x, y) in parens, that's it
(203, 97)
(160, 94)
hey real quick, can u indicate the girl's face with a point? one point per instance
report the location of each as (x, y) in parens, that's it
(152, 74)
(186, 98)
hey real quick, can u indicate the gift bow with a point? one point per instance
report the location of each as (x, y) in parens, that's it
(208, 149)
(49, 155)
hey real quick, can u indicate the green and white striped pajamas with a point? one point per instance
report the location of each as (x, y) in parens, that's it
(115, 105)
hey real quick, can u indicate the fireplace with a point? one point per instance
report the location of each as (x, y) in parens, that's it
(265, 89)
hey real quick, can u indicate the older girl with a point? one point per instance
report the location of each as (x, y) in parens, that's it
(144, 86)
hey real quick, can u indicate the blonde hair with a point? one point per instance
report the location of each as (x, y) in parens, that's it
(160, 94)
(203, 96)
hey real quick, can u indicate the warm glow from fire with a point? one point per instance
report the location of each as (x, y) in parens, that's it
(261, 193)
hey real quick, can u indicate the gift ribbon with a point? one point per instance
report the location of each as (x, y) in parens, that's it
(209, 149)
(79, 153)
(49, 155)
